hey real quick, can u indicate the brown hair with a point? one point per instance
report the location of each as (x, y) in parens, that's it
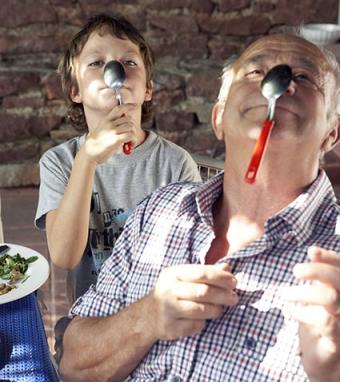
(121, 28)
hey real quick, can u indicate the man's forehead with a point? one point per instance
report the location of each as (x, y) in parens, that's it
(289, 47)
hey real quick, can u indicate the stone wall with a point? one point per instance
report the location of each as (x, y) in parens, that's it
(191, 39)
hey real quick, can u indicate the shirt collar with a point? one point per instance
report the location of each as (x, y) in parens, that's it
(203, 198)
(298, 216)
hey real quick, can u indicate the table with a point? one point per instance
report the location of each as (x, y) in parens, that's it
(24, 353)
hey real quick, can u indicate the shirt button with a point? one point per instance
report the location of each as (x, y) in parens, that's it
(174, 378)
(250, 343)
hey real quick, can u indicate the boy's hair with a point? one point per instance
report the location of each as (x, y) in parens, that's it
(119, 27)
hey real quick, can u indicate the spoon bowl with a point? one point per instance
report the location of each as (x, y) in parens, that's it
(114, 77)
(274, 84)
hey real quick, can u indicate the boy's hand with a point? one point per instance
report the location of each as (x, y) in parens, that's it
(185, 296)
(108, 138)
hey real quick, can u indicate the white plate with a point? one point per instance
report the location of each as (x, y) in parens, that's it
(38, 273)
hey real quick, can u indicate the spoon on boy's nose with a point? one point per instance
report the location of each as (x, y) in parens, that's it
(114, 77)
(273, 85)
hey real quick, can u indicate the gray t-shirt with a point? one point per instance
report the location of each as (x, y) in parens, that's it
(119, 185)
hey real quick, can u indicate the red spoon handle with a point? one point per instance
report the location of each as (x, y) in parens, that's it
(127, 146)
(258, 151)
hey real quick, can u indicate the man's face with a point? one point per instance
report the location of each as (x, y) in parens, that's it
(301, 114)
(89, 72)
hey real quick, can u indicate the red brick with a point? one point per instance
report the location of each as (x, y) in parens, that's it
(204, 84)
(175, 24)
(21, 102)
(19, 150)
(168, 4)
(221, 48)
(175, 121)
(168, 80)
(237, 26)
(12, 82)
(297, 12)
(204, 6)
(29, 44)
(184, 48)
(232, 5)
(203, 140)
(135, 14)
(164, 99)
(14, 126)
(264, 6)
(71, 14)
(14, 13)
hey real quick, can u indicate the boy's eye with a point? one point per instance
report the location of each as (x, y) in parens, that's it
(96, 64)
(130, 63)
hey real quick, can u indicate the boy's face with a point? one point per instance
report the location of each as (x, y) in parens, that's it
(89, 73)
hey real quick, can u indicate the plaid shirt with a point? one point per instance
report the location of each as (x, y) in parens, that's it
(256, 340)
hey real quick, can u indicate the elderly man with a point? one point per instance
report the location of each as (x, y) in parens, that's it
(230, 281)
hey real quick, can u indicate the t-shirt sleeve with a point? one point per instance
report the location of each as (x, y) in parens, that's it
(189, 171)
(54, 175)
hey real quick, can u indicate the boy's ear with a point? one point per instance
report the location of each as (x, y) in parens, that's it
(216, 120)
(333, 136)
(148, 91)
(75, 95)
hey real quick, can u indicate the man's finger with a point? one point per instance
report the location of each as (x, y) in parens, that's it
(325, 273)
(322, 255)
(315, 294)
(200, 292)
(217, 275)
(318, 319)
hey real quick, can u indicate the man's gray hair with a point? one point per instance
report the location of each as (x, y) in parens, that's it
(226, 79)
(227, 73)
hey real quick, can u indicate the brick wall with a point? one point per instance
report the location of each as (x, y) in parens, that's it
(191, 38)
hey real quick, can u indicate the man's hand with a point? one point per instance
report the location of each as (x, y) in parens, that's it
(319, 314)
(109, 136)
(186, 296)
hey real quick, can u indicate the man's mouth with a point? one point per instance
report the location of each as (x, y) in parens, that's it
(278, 107)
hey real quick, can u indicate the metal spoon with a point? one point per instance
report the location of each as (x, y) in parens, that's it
(273, 85)
(114, 77)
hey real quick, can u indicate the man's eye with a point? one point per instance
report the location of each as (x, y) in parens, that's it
(96, 64)
(130, 63)
(254, 73)
(301, 77)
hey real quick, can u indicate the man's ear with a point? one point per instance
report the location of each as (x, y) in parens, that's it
(333, 136)
(75, 95)
(148, 91)
(216, 120)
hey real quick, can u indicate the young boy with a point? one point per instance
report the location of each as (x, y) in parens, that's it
(88, 185)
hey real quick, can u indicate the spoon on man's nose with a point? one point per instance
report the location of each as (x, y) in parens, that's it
(273, 85)
(114, 77)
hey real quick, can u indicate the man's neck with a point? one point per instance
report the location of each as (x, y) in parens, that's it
(279, 181)
(242, 210)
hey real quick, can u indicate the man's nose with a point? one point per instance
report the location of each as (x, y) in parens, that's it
(291, 88)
